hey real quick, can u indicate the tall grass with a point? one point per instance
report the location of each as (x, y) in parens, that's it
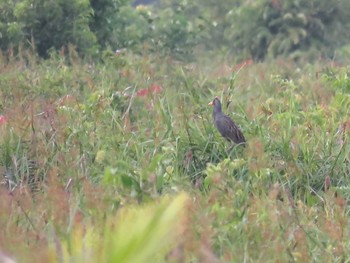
(84, 142)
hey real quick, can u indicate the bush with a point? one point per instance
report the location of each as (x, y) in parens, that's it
(50, 24)
(272, 28)
(184, 25)
(116, 24)
(249, 29)
(258, 29)
(174, 33)
(10, 29)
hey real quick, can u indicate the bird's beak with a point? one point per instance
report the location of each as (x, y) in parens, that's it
(211, 103)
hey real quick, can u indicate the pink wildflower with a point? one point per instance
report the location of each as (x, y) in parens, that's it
(155, 88)
(142, 93)
(3, 119)
(151, 90)
(241, 65)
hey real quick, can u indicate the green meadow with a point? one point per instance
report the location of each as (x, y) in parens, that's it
(120, 162)
(112, 156)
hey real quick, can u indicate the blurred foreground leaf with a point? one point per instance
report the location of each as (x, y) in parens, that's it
(135, 234)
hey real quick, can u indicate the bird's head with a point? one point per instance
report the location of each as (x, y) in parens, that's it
(215, 102)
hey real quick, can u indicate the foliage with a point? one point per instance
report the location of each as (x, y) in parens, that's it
(106, 141)
(49, 24)
(266, 29)
(178, 29)
(118, 25)
(10, 30)
(103, 19)
(112, 24)
(272, 28)
(201, 24)
(173, 31)
(136, 234)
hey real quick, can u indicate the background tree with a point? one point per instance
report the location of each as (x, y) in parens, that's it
(108, 21)
(53, 24)
(245, 29)
(268, 28)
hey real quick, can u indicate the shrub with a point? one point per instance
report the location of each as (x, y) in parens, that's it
(272, 28)
(117, 24)
(48, 24)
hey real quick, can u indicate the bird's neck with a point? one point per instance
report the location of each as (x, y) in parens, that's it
(217, 109)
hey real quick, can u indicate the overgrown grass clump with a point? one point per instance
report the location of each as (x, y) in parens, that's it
(118, 161)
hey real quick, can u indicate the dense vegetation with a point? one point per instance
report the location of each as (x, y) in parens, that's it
(248, 29)
(112, 156)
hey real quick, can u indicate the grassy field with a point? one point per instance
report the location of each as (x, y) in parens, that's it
(119, 161)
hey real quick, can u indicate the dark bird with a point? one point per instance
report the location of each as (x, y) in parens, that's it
(227, 128)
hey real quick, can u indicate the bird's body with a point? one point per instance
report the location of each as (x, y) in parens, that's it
(227, 128)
